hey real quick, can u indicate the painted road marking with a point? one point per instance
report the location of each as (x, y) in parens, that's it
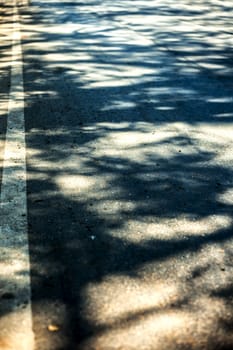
(15, 303)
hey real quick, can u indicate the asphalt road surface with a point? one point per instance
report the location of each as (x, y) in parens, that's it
(126, 109)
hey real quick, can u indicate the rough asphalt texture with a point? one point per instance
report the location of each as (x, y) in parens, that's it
(129, 109)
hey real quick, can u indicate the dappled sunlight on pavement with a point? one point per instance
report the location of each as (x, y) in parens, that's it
(129, 173)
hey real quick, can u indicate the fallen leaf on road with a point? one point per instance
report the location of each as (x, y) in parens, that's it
(53, 328)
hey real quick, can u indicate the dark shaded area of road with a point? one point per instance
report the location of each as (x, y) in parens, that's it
(128, 112)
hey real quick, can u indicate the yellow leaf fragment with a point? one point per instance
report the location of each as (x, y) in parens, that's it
(53, 328)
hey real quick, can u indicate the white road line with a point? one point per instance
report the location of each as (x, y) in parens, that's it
(15, 302)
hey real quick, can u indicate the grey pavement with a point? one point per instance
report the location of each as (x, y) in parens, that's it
(128, 114)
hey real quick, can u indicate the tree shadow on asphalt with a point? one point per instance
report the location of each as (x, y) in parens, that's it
(113, 165)
(127, 178)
